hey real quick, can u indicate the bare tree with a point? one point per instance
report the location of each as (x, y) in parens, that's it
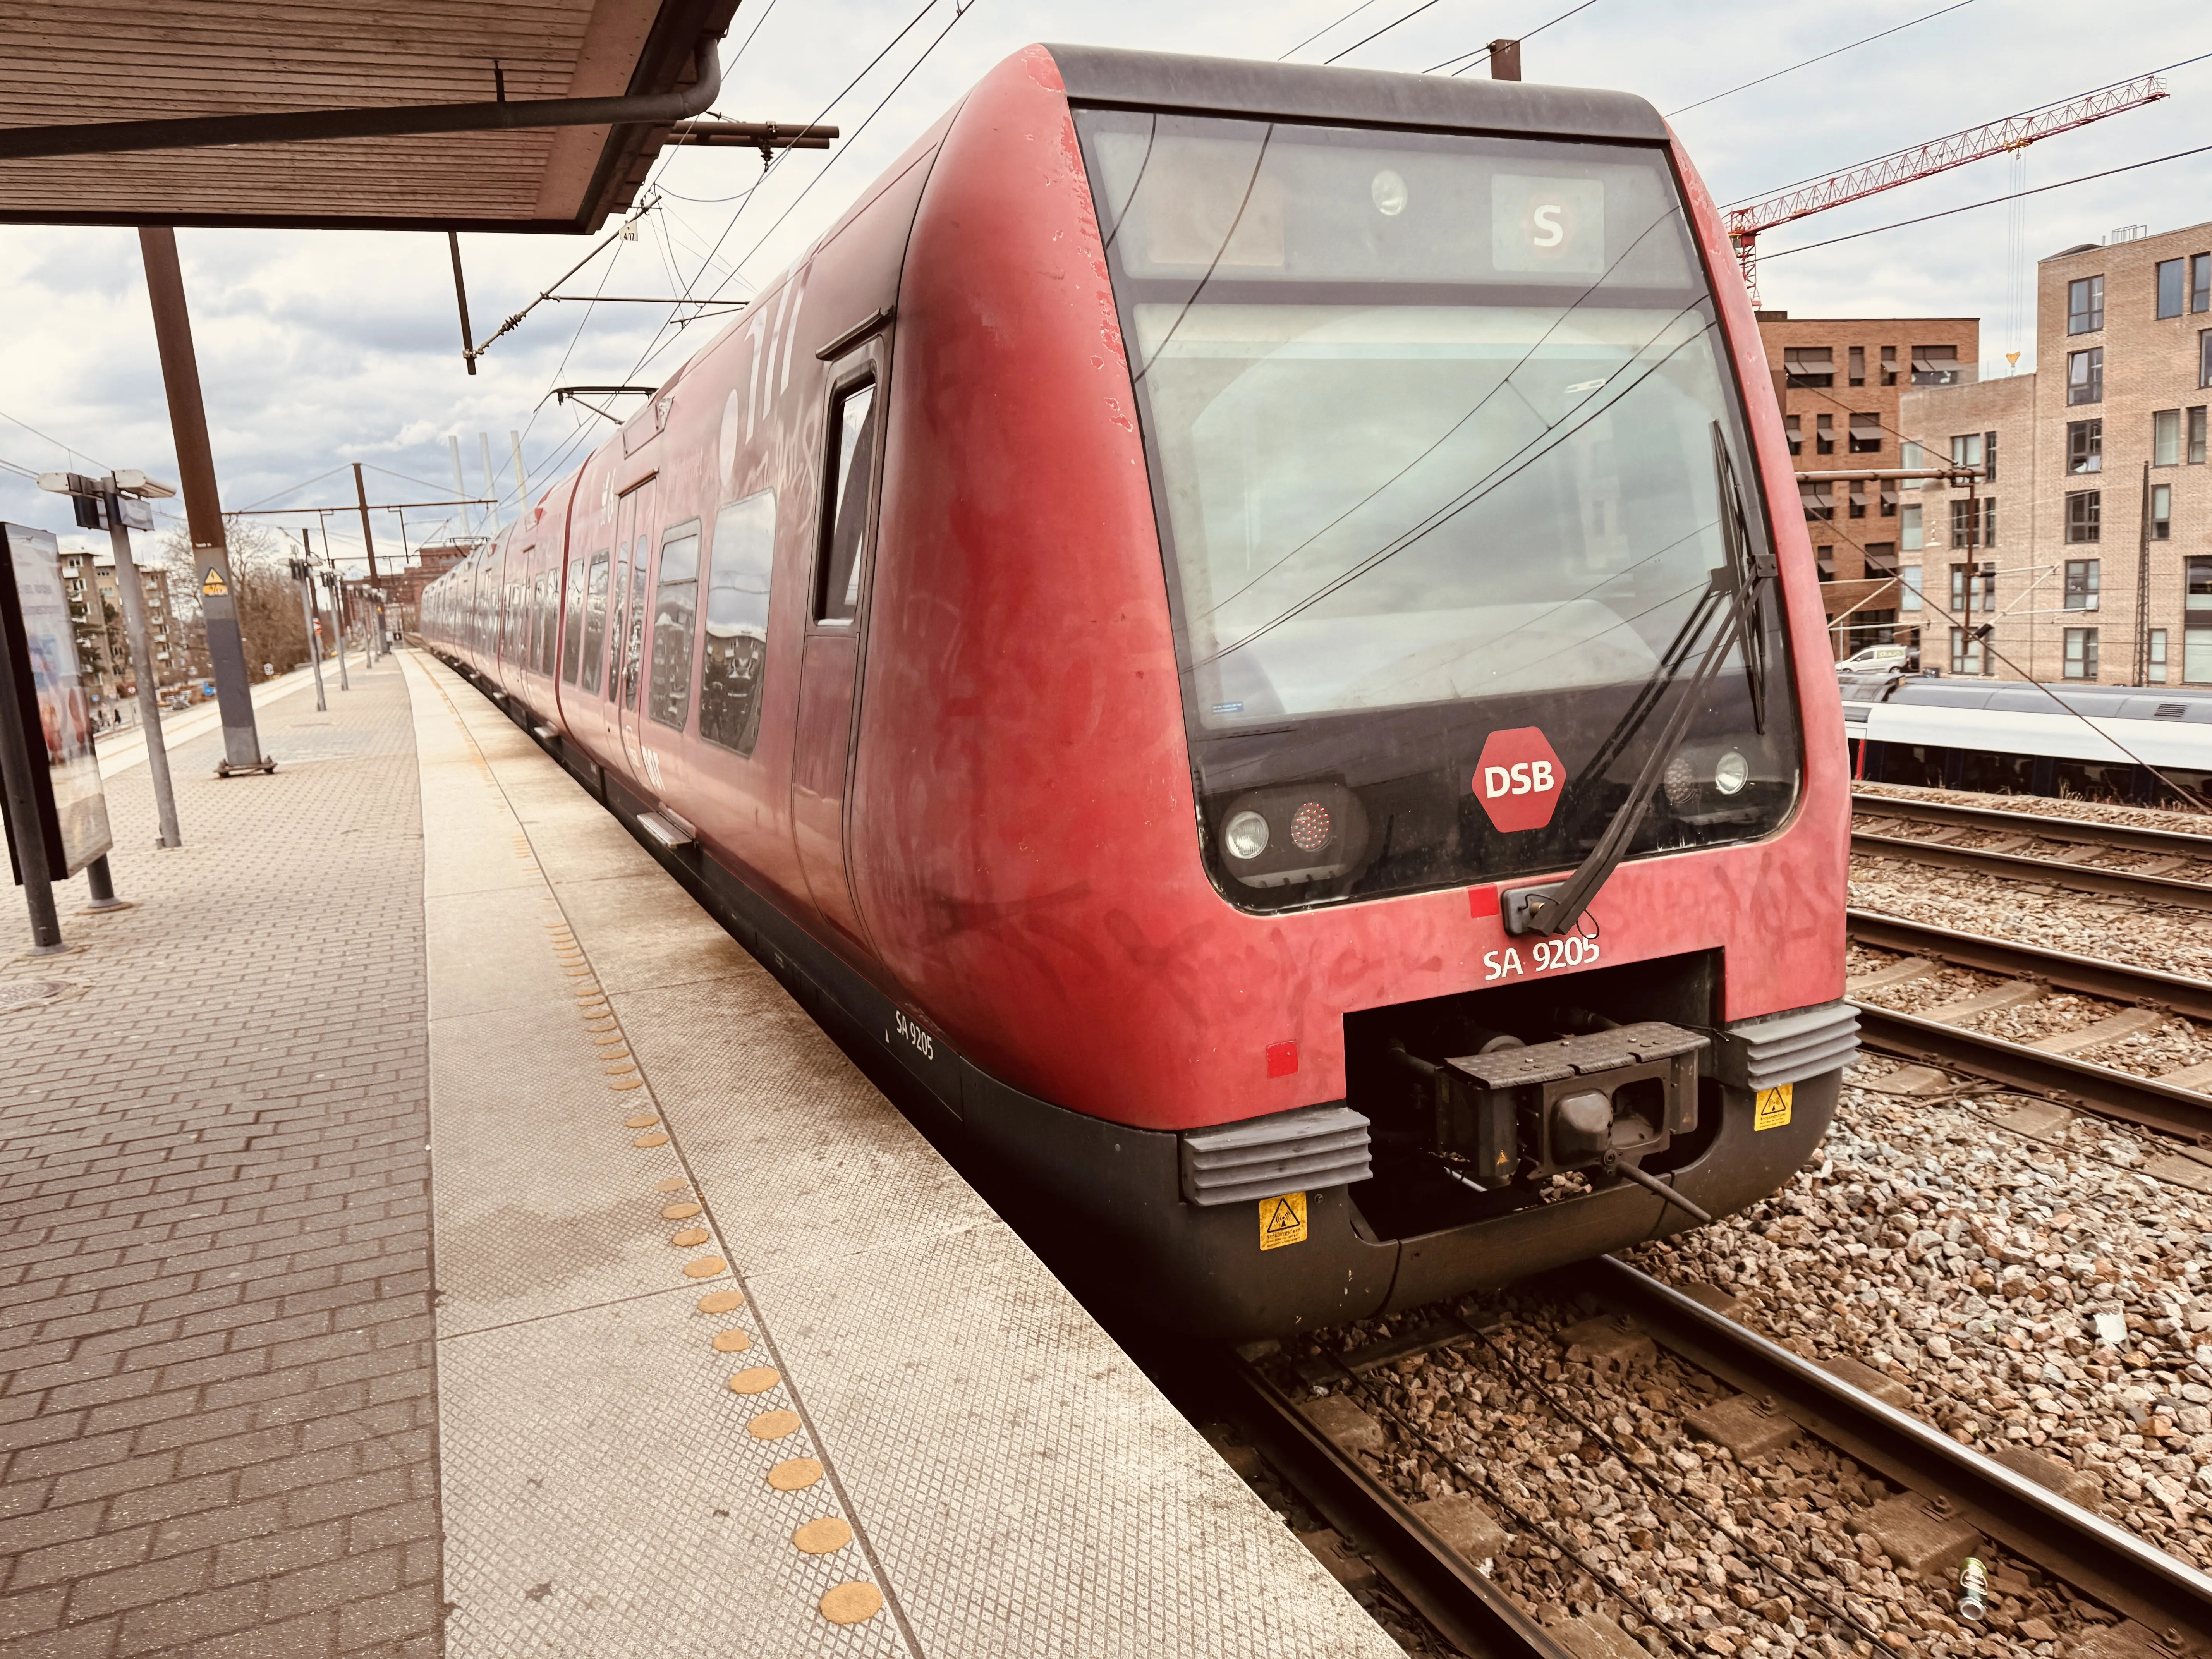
(268, 598)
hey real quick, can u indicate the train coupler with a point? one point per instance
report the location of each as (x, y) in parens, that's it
(1601, 1100)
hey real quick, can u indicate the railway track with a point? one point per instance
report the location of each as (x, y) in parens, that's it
(2176, 1108)
(2165, 849)
(2170, 1600)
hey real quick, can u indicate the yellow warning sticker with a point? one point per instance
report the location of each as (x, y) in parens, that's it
(214, 584)
(1773, 1110)
(1282, 1221)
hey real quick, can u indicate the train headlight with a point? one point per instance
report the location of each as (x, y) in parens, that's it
(1244, 837)
(1730, 773)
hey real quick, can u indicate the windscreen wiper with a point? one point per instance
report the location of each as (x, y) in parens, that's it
(1737, 584)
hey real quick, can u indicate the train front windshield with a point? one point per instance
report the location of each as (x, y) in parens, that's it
(1443, 442)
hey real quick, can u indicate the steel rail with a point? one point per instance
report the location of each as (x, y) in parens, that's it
(2109, 1093)
(2144, 988)
(2075, 1546)
(2130, 836)
(1474, 1614)
(2053, 872)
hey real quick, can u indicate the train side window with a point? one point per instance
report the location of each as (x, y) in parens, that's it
(851, 445)
(634, 644)
(739, 564)
(675, 608)
(595, 621)
(573, 643)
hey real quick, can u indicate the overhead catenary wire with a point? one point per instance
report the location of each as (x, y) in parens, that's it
(1326, 28)
(1482, 52)
(1380, 32)
(1835, 51)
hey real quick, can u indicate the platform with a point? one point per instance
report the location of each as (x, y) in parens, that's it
(352, 1298)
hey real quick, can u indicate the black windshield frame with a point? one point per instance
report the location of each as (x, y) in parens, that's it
(1228, 771)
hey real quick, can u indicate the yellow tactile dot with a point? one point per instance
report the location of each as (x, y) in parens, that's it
(731, 1342)
(619, 1067)
(821, 1537)
(773, 1425)
(757, 1380)
(852, 1604)
(607, 1027)
(613, 1052)
(705, 1267)
(607, 1036)
(622, 1083)
(793, 1473)
(691, 1237)
(683, 1212)
(673, 1184)
(721, 1302)
(642, 1120)
(656, 1138)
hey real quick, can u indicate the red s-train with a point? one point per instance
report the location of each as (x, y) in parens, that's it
(1251, 625)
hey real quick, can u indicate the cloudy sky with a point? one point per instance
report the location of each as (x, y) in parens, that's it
(318, 348)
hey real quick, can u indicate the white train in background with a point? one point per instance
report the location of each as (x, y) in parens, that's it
(2017, 738)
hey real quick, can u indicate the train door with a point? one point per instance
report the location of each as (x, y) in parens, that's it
(626, 601)
(836, 621)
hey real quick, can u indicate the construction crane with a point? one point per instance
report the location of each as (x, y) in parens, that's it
(2014, 133)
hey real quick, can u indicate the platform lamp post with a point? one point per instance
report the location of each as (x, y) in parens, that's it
(121, 500)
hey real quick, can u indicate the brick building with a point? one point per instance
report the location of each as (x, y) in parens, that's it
(1841, 380)
(2098, 565)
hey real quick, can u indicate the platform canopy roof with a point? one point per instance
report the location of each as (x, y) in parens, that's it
(402, 114)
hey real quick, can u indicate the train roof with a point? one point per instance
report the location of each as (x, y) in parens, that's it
(2026, 697)
(1314, 92)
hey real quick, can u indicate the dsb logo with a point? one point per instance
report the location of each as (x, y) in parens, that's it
(1518, 779)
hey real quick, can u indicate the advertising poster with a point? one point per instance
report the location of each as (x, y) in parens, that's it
(48, 698)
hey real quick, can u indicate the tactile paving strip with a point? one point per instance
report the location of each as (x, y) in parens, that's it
(607, 1442)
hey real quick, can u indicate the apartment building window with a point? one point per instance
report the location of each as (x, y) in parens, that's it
(1819, 504)
(2165, 437)
(2085, 375)
(2196, 435)
(1910, 457)
(2200, 282)
(1909, 536)
(2204, 357)
(1989, 521)
(1808, 367)
(1889, 365)
(1857, 359)
(2169, 288)
(1965, 652)
(1908, 587)
(1792, 425)
(2161, 512)
(2085, 305)
(1880, 561)
(1866, 431)
(2154, 657)
(1824, 561)
(1859, 498)
(1965, 524)
(2080, 653)
(2083, 577)
(2084, 516)
(1935, 365)
(1889, 498)
(1824, 434)
(1966, 451)
(1973, 587)
(2085, 445)
(1989, 458)
(2196, 620)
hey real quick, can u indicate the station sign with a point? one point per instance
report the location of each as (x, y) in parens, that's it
(44, 697)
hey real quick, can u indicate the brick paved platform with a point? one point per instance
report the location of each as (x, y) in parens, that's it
(216, 1399)
(720, 1358)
